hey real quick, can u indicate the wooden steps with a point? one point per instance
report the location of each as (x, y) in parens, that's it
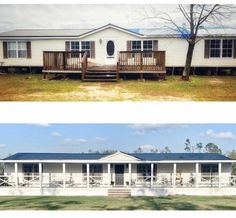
(100, 75)
(119, 192)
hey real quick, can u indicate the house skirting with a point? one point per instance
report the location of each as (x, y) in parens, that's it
(104, 191)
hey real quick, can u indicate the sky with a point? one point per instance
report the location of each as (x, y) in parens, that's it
(85, 16)
(124, 137)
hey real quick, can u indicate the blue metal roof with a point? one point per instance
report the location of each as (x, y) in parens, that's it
(180, 156)
(97, 156)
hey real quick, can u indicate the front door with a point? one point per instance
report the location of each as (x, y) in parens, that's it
(119, 174)
(110, 52)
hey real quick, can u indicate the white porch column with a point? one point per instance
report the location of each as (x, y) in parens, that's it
(130, 175)
(108, 174)
(64, 174)
(87, 175)
(197, 174)
(40, 175)
(219, 169)
(16, 175)
(152, 167)
(174, 175)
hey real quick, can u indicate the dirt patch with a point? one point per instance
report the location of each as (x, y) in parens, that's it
(216, 81)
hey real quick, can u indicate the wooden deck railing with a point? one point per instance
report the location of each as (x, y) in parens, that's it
(84, 65)
(141, 61)
(63, 60)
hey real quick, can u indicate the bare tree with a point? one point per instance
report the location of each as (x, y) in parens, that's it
(194, 17)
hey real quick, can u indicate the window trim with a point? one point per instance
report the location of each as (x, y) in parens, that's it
(17, 48)
(80, 47)
(221, 48)
(142, 44)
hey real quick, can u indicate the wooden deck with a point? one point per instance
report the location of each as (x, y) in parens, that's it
(129, 62)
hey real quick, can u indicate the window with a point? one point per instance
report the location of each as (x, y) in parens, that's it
(215, 48)
(11, 50)
(147, 46)
(74, 46)
(136, 46)
(144, 172)
(95, 173)
(93, 168)
(30, 171)
(209, 168)
(86, 47)
(16, 49)
(227, 47)
(22, 50)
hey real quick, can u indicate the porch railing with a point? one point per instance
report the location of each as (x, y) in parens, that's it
(64, 60)
(56, 180)
(141, 61)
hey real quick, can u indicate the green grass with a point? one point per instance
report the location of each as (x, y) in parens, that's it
(25, 87)
(115, 203)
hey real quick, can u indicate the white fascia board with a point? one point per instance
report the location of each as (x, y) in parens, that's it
(113, 162)
(111, 26)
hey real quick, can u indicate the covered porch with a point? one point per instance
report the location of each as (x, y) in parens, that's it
(134, 176)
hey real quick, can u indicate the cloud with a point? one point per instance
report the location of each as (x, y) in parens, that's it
(141, 129)
(55, 134)
(70, 141)
(39, 124)
(101, 139)
(148, 148)
(2, 145)
(218, 135)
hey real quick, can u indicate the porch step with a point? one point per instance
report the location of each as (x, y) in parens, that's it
(119, 192)
(100, 76)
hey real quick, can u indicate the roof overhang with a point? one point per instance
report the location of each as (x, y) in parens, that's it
(113, 27)
(114, 162)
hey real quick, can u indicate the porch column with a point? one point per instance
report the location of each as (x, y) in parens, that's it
(174, 175)
(16, 175)
(87, 175)
(64, 174)
(130, 175)
(197, 174)
(152, 166)
(108, 174)
(219, 169)
(40, 175)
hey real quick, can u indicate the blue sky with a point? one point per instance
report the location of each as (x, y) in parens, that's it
(87, 15)
(125, 137)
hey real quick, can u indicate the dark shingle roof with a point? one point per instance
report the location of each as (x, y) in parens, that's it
(96, 156)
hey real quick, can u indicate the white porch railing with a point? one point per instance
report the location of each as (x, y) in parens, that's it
(7, 181)
(96, 180)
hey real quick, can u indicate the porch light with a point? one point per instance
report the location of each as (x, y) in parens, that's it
(100, 41)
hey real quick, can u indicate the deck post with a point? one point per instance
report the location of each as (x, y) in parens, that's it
(40, 175)
(16, 175)
(87, 165)
(108, 175)
(196, 174)
(130, 175)
(152, 166)
(219, 169)
(174, 175)
(64, 174)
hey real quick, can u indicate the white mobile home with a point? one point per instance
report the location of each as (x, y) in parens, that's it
(135, 174)
(123, 51)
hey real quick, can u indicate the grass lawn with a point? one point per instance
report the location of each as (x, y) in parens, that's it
(28, 87)
(114, 203)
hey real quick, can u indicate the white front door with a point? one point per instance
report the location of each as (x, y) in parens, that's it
(110, 52)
